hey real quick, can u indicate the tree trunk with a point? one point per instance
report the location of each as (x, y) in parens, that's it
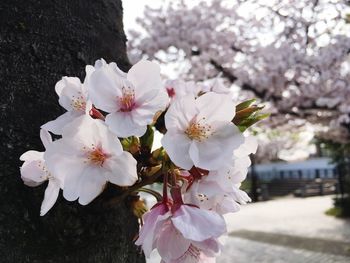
(41, 41)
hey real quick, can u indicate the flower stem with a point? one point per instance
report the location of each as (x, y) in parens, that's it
(146, 181)
(165, 188)
(157, 195)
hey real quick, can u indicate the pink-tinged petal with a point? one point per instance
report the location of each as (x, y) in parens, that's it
(91, 184)
(230, 175)
(104, 87)
(200, 197)
(145, 76)
(50, 197)
(209, 188)
(147, 233)
(100, 63)
(146, 109)
(33, 170)
(227, 205)
(32, 156)
(249, 146)
(215, 107)
(84, 131)
(171, 244)
(192, 255)
(73, 83)
(69, 90)
(72, 171)
(146, 97)
(213, 152)
(198, 224)
(64, 160)
(239, 170)
(210, 247)
(240, 196)
(177, 146)
(123, 125)
(121, 169)
(180, 114)
(109, 141)
(45, 137)
(88, 71)
(34, 173)
(56, 126)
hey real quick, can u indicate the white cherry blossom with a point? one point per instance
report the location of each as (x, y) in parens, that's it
(132, 100)
(72, 97)
(34, 172)
(219, 190)
(89, 155)
(200, 132)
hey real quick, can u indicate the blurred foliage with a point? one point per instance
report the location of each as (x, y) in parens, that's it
(340, 155)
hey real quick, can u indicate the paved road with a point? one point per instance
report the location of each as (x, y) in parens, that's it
(294, 216)
(286, 230)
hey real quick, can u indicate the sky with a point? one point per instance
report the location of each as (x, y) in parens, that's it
(134, 9)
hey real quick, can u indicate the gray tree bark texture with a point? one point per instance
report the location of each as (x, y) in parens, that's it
(41, 41)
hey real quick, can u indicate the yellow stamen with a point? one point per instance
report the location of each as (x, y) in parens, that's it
(198, 131)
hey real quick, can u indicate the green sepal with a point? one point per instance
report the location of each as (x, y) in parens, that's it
(245, 104)
(245, 124)
(147, 139)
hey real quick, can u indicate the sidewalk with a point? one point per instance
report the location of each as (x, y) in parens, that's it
(287, 230)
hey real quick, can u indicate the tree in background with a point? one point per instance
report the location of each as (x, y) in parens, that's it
(291, 53)
(39, 43)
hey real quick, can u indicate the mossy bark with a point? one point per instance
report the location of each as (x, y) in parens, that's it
(41, 41)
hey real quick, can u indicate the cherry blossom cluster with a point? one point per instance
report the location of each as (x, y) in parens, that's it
(293, 53)
(106, 135)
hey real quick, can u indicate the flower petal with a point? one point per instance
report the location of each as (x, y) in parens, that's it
(104, 87)
(180, 114)
(45, 138)
(91, 184)
(171, 244)
(215, 107)
(64, 161)
(197, 224)
(177, 146)
(147, 233)
(144, 113)
(69, 89)
(213, 152)
(121, 169)
(32, 156)
(50, 197)
(34, 173)
(249, 146)
(210, 247)
(84, 131)
(145, 76)
(56, 126)
(123, 125)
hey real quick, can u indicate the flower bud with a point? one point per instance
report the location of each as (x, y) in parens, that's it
(131, 144)
(149, 171)
(139, 207)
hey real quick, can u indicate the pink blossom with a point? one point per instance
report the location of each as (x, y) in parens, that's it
(182, 232)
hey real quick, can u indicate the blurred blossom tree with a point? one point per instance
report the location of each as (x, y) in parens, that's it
(286, 143)
(39, 42)
(294, 54)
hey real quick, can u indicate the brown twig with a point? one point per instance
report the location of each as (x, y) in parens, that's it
(145, 181)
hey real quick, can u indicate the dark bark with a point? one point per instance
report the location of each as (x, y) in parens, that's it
(41, 41)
